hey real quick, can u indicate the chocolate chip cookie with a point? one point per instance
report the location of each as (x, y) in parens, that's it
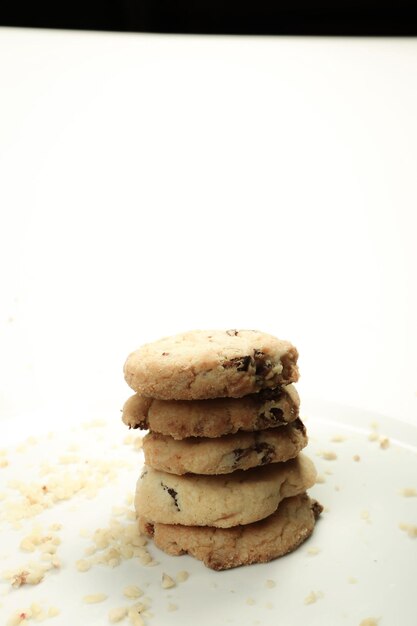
(213, 418)
(202, 455)
(211, 364)
(259, 542)
(222, 501)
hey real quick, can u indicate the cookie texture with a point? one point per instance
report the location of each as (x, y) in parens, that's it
(222, 501)
(259, 542)
(241, 451)
(211, 364)
(215, 417)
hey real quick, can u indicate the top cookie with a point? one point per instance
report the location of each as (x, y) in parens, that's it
(211, 364)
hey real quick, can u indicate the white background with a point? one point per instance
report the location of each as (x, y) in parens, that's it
(155, 184)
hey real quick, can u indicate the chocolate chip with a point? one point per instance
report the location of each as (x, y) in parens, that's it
(260, 448)
(269, 394)
(241, 363)
(262, 364)
(165, 353)
(238, 454)
(271, 417)
(142, 424)
(231, 333)
(298, 424)
(277, 414)
(266, 450)
(172, 493)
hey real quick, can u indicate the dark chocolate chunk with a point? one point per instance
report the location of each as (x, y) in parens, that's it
(266, 450)
(173, 495)
(271, 417)
(241, 363)
(262, 364)
(260, 448)
(239, 453)
(269, 394)
(298, 424)
(277, 415)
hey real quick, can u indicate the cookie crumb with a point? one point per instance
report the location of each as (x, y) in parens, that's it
(384, 443)
(83, 565)
(365, 515)
(313, 551)
(172, 607)
(132, 592)
(182, 576)
(167, 581)
(352, 580)
(338, 439)
(270, 583)
(250, 601)
(328, 455)
(373, 436)
(312, 597)
(408, 492)
(93, 598)
(117, 614)
(134, 614)
(369, 621)
(356, 458)
(53, 611)
(409, 529)
(320, 479)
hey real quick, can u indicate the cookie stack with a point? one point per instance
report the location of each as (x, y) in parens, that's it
(223, 479)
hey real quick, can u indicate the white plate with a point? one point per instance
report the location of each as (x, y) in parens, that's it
(365, 566)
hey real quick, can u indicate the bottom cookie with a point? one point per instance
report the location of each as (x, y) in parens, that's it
(259, 542)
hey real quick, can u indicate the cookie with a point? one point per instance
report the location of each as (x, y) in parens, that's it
(213, 418)
(259, 542)
(211, 364)
(222, 501)
(241, 451)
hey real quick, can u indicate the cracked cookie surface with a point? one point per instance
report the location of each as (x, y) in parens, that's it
(259, 542)
(241, 451)
(211, 364)
(213, 418)
(225, 500)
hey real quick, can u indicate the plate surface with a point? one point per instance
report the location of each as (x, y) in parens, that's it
(360, 563)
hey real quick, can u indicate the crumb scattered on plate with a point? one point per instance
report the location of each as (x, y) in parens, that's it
(312, 597)
(167, 581)
(182, 576)
(327, 455)
(117, 614)
(410, 529)
(338, 438)
(93, 598)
